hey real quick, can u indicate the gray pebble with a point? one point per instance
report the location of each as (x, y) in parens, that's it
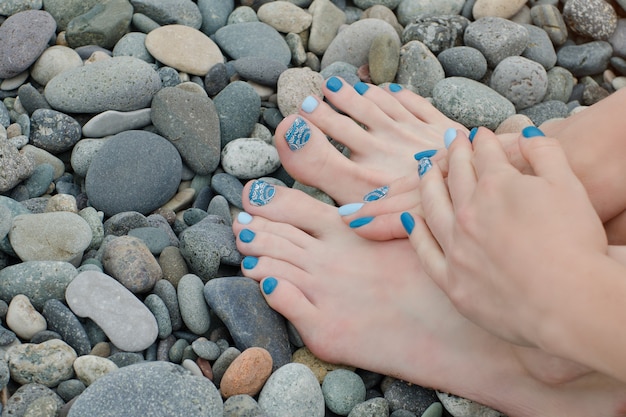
(167, 293)
(27, 394)
(461, 407)
(120, 224)
(61, 320)
(618, 39)
(496, 38)
(522, 81)
(122, 359)
(206, 349)
(214, 14)
(595, 19)
(438, 33)
(374, 407)
(193, 308)
(259, 69)
(54, 131)
(177, 350)
(463, 61)
(410, 397)
(156, 239)
(419, 68)
(219, 207)
(182, 12)
(343, 390)
(549, 18)
(169, 77)
(238, 107)
(229, 187)
(408, 10)
(102, 26)
(70, 388)
(253, 39)
(242, 406)
(547, 110)
(31, 98)
(192, 216)
(223, 362)
(158, 308)
(585, 59)
(133, 44)
(112, 122)
(540, 48)
(39, 181)
(560, 85)
(216, 79)
(247, 158)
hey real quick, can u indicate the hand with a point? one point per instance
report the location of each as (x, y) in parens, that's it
(505, 246)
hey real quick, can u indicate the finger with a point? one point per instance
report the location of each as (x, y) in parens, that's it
(545, 156)
(461, 174)
(437, 206)
(489, 154)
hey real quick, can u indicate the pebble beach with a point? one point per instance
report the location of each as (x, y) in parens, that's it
(128, 129)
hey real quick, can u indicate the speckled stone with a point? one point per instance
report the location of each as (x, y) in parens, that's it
(343, 390)
(589, 58)
(595, 19)
(128, 260)
(102, 26)
(26, 395)
(496, 38)
(522, 81)
(549, 18)
(253, 39)
(63, 321)
(90, 368)
(47, 363)
(419, 68)
(462, 407)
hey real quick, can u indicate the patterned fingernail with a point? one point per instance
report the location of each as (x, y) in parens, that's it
(531, 132)
(269, 285)
(361, 87)
(376, 194)
(298, 134)
(449, 137)
(246, 235)
(249, 262)
(425, 154)
(309, 104)
(261, 193)
(394, 88)
(424, 166)
(362, 221)
(408, 222)
(348, 209)
(244, 218)
(472, 133)
(334, 84)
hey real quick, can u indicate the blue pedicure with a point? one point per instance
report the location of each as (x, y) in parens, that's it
(472, 133)
(298, 134)
(449, 137)
(361, 87)
(269, 285)
(261, 193)
(334, 84)
(246, 235)
(249, 262)
(408, 222)
(349, 209)
(531, 132)
(244, 218)
(362, 221)
(424, 166)
(425, 154)
(376, 194)
(309, 104)
(394, 88)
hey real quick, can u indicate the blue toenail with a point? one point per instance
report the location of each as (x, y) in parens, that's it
(298, 134)
(408, 222)
(334, 84)
(249, 262)
(362, 221)
(361, 87)
(261, 193)
(309, 104)
(394, 88)
(472, 133)
(244, 218)
(425, 154)
(531, 132)
(246, 235)
(269, 285)
(376, 194)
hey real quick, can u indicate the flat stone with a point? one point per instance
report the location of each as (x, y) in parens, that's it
(214, 14)
(238, 106)
(285, 17)
(166, 12)
(253, 39)
(589, 58)
(193, 308)
(112, 122)
(102, 25)
(63, 321)
(47, 363)
(327, 19)
(129, 261)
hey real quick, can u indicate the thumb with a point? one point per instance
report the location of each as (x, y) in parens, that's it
(545, 155)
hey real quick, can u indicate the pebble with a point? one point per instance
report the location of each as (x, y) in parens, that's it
(405, 396)
(258, 69)
(47, 363)
(70, 388)
(462, 407)
(253, 39)
(112, 122)
(327, 18)
(53, 61)
(54, 131)
(155, 239)
(408, 10)
(63, 321)
(23, 319)
(585, 59)
(39, 181)
(222, 363)
(504, 8)
(133, 44)
(129, 261)
(241, 406)
(343, 390)
(546, 110)
(102, 26)
(522, 81)
(374, 407)
(248, 158)
(193, 308)
(319, 367)
(229, 187)
(438, 33)
(160, 312)
(173, 265)
(419, 68)
(15, 166)
(214, 14)
(540, 48)
(247, 373)
(285, 17)
(90, 368)
(549, 18)
(463, 61)
(206, 349)
(595, 19)
(496, 38)
(27, 394)
(238, 107)
(183, 12)
(294, 85)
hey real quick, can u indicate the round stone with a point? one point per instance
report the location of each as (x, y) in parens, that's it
(129, 260)
(193, 307)
(53, 61)
(247, 373)
(46, 363)
(522, 81)
(90, 368)
(595, 19)
(23, 318)
(342, 391)
(248, 158)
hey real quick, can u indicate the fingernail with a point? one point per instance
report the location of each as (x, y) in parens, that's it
(425, 154)
(309, 104)
(376, 194)
(424, 166)
(349, 209)
(244, 218)
(249, 262)
(408, 222)
(246, 235)
(362, 221)
(449, 137)
(269, 285)
(394, 88)
(261, 193)
(334, 84)
(361, 87)
(472, 133)
(531, 132)
(298, 134)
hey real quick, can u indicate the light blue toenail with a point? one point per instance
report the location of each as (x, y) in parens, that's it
(349, 209)
(244, 218)
(449, 137)
(309, 104)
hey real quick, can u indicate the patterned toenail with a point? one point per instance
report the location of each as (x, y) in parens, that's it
(334, 84)
(424, 166)
(269, 285)
(244, 218)
(249, 262)
(298, 134)
(376, 194)
(261, 193)
(246, 235)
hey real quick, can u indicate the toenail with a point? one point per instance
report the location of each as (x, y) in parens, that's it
(376, 194)
(309, 104)
(425, 154)
(261, 193)
(394, 88)
(349, 209)
(531, 132)
(424, 166)
(269, 285)
(449, 137)
(249, 262)
(408, 222)
(334, 84)
(298, 134)
(244, 218)
(361, 87)
(362, 221)
(246, 235)
(472, 133)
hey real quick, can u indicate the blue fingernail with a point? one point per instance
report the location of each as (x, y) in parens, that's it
(244, 218)
(361, 87)
(249, 262)
(408, 222)
(334, 84)
(425, 154)
(246, 235)
(309, 104)
(261, 193)
(298, 134)
(449, 137)
(376, 194)
(531, 132)
(362, 221)
(472, 133)
(394, 88)
(349, 209)
(424, 166)
(269, 285)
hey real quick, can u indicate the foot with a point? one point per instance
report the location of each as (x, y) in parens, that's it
(369, 304)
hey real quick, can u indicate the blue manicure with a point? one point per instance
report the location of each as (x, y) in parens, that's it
(408, 222)
(472, 133)
(425, 154)
(349, 209)
(261, 193)
(531, 132)
(309, 104)
(394, 88)
(249, 262)
(361, 87)
(376, 194)
(244, 218)
(424, 166)
(298, 134)
(334, 84)
(449, 137)
(269, 285)
(246, 235)
(362, 221)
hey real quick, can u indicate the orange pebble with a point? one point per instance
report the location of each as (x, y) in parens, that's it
(247, 373)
